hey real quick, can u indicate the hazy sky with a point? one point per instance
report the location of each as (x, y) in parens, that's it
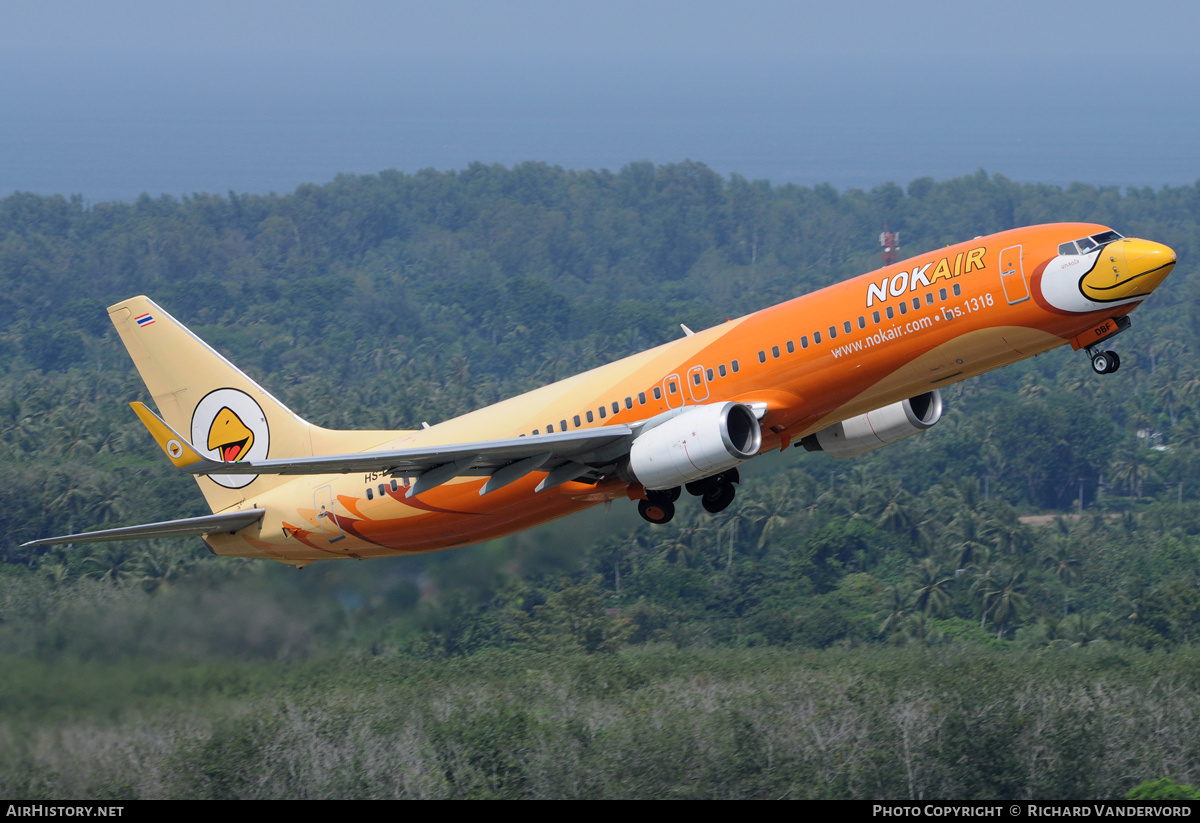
(1101, 30)
(110, 99)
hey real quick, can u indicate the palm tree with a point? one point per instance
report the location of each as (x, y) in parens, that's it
(1061, 562)
(1000, 593)
(1129, 466)
(895, 608)
(931, 592)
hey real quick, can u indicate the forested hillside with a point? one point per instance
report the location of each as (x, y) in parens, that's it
(383, 301)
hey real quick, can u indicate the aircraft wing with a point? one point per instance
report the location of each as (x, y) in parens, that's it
(187, 527)
(505, 460)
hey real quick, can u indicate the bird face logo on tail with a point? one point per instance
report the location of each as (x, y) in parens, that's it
(228, 425)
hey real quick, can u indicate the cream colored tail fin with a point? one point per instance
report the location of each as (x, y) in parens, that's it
(225, 414)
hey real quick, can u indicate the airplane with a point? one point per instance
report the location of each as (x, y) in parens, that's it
(845, 370)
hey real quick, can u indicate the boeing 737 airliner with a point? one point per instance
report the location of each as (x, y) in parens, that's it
(847, 369)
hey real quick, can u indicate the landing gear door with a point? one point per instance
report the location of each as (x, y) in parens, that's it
(1012, 275)
(323, 503)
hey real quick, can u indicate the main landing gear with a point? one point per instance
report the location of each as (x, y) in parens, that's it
(659, 505)
(715, 493)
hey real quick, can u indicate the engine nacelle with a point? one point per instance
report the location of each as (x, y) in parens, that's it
(881, 427)
(695, 444)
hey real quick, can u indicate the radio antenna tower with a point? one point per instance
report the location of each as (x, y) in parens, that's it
(890, 240)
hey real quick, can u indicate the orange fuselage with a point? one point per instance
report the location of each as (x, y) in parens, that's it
(815, 360)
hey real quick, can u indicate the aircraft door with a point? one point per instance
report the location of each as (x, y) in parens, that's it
(697, 384)
(1012, 276)
(673, 391)
(323, 503)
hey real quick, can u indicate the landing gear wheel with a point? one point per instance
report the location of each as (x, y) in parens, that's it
(718, 498)
(699, 488)
(1116, 361)
(1102, 363)
(658, 511)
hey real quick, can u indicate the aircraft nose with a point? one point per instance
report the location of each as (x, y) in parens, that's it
(1128, 268)
(1144, 256)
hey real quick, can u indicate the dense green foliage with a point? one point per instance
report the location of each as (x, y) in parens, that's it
(382, 301)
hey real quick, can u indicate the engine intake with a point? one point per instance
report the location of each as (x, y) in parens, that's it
(877, 428)
(698, 443)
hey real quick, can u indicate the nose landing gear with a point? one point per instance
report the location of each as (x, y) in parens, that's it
(1105, 362)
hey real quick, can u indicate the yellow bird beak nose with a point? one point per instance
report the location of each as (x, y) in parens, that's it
(1127, 269)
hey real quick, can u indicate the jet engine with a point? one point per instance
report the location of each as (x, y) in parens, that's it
(692, 445)
(877, 428)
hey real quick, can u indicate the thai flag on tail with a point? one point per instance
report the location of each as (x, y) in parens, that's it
(144, 319)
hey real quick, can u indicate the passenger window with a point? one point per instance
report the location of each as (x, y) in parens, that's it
(916, 303)
(629, 402)
(549, 428)
(603, 412)
(862, 322)
(791, 347)
(616, 407)
(942, 295)
(762, 357)
(671, 387)
(832, 332)
(590, 416)
(846, 325)
(890, 312)
(657, 393)
(804, 342)
(957, 290)
(904, 307)
(735, 366)
(577, 423)
(721, 370)
(709, 374)
(383, 490)
(929, 299)
(641, 398)
(816, 337)
(775, 352)
(875, 317)
(562, 425)
(395, 486)
(696, 378)
(537, 431)
(370, 494)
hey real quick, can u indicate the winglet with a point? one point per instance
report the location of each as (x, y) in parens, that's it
(176, 446)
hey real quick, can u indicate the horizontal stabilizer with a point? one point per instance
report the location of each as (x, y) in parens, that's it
(227, 523)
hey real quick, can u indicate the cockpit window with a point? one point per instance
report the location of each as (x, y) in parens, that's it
(1089, 244)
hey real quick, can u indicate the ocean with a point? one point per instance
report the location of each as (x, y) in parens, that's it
(112, 127)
